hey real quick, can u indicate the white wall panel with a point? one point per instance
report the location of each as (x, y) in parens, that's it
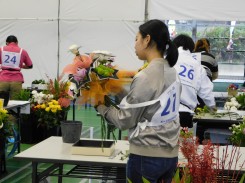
(12, 9)
(213, 10)
(103, 9)
(115, 37)
(39, 39)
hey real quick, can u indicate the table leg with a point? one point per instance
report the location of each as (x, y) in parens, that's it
(19, 122)
(34, 172)
(60, 173)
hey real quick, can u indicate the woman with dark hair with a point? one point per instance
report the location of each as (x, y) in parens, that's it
(193, 79)
(150, 110)
(207, 59)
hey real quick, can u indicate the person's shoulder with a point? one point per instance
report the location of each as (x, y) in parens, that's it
(24, 51)
(208, 54)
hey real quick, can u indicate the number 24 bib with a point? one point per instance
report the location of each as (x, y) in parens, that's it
(11, 59)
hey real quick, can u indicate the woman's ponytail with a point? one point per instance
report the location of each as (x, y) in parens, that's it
(171, 53)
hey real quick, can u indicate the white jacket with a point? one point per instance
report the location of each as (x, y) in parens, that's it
(194, 82)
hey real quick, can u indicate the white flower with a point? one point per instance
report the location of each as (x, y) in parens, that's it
(34, 92)
(227, 107)
(233, 99)
(74, 49)
(233, 108)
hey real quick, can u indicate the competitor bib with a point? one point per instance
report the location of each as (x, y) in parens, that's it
(11, 59)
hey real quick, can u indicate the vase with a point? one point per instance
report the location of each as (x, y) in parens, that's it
(71, 131)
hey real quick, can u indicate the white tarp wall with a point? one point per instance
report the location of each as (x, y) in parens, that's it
(46, 28)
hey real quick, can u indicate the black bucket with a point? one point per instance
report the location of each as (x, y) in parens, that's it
(71, 131)
(5, 96)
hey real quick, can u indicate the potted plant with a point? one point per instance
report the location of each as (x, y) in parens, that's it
(232, 89)
(50, 107)
(70, 129)
(39, 84)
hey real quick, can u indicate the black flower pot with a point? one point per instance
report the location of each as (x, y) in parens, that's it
(71, 131)
(5, 96)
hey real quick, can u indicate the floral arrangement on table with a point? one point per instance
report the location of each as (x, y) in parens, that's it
(238, 134)
(51, 106)
(232, 89)
(6, 123)
(207, 164)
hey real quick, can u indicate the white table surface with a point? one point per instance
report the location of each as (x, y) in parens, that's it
(24, 106)
(53, 149)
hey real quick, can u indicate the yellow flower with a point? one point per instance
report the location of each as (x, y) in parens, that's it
(54, 110)
(1, 103)
(43, 106)
(4, 111)
(47, 109)
(50, 103)
(55, 102)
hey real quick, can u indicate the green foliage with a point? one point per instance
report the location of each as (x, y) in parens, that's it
(128, 180)
(145, 180)
(241, 100)
(104, 70)
(238, 134)
(40, 81)
(24, 95)
(242, 179)
(182, 176)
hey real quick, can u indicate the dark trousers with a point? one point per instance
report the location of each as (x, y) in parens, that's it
(186, 119)
(153, 169)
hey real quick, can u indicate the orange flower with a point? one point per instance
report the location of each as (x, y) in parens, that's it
(64, 102)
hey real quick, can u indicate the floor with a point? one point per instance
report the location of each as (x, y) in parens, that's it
(20, 171)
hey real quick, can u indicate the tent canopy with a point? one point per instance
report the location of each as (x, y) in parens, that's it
(47, 28)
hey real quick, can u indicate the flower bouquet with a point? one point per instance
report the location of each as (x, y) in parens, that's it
(93, 76)
(51, 106)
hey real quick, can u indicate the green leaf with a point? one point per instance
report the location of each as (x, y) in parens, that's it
(242, 179)
(145, 180)
(176, 176)
(128, 180)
